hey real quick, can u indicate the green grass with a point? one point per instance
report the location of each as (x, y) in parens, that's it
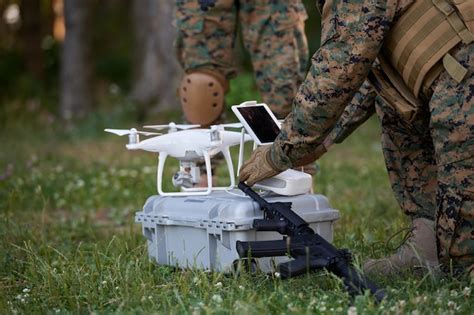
(68, 241)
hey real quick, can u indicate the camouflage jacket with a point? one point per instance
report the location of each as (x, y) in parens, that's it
(353, 32)
(355, 114)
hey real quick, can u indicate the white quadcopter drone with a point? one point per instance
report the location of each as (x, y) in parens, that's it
(189, 146)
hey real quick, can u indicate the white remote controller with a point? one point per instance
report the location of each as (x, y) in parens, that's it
(287, 183)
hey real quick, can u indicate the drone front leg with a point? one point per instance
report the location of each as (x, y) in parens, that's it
(241, 150)
(230, 166)
(207, 160)
(159, 172)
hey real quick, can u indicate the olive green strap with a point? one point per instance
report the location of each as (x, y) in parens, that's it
(454, 68)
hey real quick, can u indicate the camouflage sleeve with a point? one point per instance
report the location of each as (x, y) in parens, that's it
(352, 35)
(355, 114)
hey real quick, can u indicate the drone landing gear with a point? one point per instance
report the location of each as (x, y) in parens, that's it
(186, 180)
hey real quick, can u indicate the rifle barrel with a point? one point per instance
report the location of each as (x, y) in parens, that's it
(252, 194)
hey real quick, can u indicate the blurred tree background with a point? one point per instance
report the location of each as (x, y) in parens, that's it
(69, 57)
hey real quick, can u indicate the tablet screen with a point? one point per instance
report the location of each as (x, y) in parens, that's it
(260, 121)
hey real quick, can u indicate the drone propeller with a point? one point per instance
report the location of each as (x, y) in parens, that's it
(172, 125)
(123, 132)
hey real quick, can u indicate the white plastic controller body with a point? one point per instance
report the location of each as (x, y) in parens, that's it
(287, 183)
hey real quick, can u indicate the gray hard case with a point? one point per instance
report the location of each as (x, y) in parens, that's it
(201, 231)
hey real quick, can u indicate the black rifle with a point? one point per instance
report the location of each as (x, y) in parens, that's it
(309, 250)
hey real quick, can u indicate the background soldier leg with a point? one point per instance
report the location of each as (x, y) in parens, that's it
(273, 33)
(205, 41)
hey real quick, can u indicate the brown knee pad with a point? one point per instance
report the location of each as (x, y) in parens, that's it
(202, 96)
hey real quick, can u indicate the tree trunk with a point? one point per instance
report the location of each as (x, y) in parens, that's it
(30, 12)
(157, 72)
(76, 67)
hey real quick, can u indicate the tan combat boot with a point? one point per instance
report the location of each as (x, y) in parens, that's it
(418, 252)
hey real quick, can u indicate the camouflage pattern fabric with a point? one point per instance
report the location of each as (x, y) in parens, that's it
(430, 161)
(452, 130)
(409, 157)
(272, 31)
(355, 114)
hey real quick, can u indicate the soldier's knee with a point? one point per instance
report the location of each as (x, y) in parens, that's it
(202, 96)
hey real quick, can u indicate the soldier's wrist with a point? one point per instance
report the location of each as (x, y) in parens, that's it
(277, 159)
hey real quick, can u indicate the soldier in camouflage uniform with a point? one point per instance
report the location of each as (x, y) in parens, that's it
(273, 34)
(429, 156)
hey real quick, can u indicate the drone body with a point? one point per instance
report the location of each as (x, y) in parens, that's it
(189, 146)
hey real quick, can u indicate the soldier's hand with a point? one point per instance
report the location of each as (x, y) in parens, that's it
(258, 167)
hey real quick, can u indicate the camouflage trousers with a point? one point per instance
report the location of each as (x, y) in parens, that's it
(272, 32)
(430, 162)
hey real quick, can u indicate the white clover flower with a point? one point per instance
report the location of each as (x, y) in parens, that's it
(147, 170)
(80, 183)
(277, 275)
(466, 292)
(218, 285)
(217, 298)
(26, 290)
(452, 305)
(104, 282)
(352, 310)
(415, 312)
(241, 287)
(453, 293)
